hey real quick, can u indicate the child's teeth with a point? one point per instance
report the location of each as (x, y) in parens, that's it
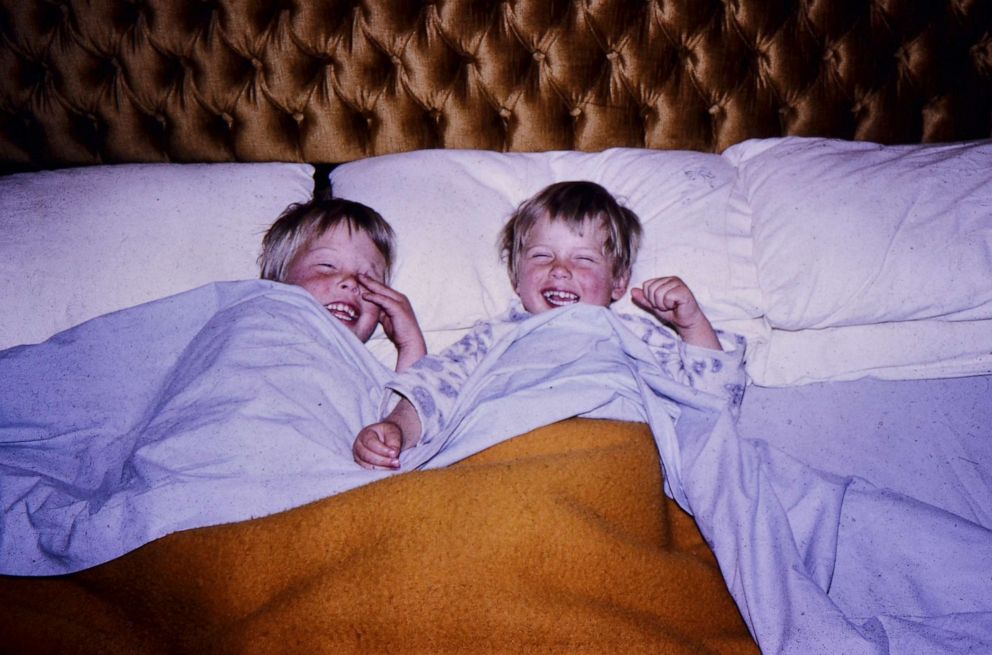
(342, 311)
(560, 297)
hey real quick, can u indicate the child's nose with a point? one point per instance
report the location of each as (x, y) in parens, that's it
(559, 270)
(349, 281)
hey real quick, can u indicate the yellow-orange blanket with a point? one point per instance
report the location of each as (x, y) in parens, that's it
(560, 540)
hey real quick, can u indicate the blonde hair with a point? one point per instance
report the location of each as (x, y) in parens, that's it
(576, 203)
(301, 223)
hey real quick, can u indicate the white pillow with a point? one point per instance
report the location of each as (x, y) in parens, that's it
(82, 242)
(907, 350)
(849, 233)
(448, 206)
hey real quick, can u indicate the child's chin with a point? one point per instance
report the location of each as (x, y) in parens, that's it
(547, 307)
(538, 308)
(364, 336)
(352, 326)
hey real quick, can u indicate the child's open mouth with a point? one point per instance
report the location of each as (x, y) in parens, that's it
(560, 298)
(342, 311)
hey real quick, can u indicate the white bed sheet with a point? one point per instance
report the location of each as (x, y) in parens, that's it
(818, 561)
(929, 439)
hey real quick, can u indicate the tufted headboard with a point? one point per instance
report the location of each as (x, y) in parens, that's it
(322, 81)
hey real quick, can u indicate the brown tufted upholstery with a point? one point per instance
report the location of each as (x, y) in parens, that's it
(99, 81)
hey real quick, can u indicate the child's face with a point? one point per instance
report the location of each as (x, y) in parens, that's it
(559, 266)
(328, 268)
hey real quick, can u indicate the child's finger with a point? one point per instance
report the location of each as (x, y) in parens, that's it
(380, 299)
(656, 292)
(377, 287)
(370, 450)
(392, 310)
(677, 293)
(374, 298)
(386, 297)
(376, 446)
(638, 297)
(370, 460)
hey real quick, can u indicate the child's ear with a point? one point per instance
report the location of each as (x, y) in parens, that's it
(620, 286)
(514, 282)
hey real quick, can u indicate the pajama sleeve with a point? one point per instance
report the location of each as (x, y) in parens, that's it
(433, 383)
(719, 372)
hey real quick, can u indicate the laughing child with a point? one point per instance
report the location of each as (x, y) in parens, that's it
(342, 252)
(571, 243)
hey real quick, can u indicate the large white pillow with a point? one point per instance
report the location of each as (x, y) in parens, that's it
(448, 206)
(906, 350)
(854, 233)
(77, 243)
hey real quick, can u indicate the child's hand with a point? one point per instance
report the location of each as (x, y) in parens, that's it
(397, 319)
(671, 301)
(378, 445)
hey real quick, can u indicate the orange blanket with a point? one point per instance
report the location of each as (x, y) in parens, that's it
(559, 540)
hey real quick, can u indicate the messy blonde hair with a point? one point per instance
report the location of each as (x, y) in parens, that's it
(303, 222)
(576, 203)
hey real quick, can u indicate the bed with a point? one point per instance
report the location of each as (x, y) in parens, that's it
(817, 172)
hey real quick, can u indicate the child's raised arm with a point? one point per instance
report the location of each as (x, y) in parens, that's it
(398, 321)
(670, 300)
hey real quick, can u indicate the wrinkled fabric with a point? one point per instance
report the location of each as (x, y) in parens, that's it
(258, 410)
(817, 563)
(228, 402)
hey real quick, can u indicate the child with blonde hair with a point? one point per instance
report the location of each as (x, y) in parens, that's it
(572, 242)
(341, 251)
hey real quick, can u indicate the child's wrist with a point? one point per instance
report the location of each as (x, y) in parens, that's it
(411, 354)
(700, 325)
(702, 334)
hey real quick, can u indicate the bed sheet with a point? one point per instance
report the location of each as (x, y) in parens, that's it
(817, 562)
(929, 439)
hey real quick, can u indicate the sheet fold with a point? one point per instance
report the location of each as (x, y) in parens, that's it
(258, 412)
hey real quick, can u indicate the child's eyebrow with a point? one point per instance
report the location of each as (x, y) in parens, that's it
(333, 251)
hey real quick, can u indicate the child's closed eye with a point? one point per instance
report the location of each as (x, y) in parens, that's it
(374, 275)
